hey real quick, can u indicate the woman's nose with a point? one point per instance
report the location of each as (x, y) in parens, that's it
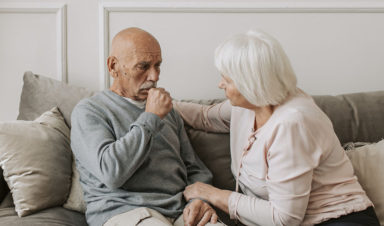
(221, 84)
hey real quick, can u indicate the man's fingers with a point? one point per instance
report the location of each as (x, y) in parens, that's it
(192, 216)
(214, 218)
(205, 218)
(159, 89)
(185, 215)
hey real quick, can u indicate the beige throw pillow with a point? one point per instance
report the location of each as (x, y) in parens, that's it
(75, 199)
(368, 164)
(36, 159)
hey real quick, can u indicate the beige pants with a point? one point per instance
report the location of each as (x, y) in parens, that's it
(147, 217)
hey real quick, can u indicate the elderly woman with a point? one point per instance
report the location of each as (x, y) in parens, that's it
(286, 157)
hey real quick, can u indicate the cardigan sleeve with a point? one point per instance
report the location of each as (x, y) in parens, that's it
(210, 118)
(291, 157)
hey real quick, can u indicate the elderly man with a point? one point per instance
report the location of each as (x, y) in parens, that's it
(131, 149)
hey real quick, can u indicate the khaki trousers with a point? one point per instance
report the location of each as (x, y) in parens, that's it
(147, 217)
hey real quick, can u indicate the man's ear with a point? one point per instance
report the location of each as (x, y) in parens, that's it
(112, 64)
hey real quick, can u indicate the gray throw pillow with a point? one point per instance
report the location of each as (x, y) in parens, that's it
(36, 159)
(40, 94)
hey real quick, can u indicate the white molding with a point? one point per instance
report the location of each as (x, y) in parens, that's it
(105, 8)
(59, 9)
(103, 46)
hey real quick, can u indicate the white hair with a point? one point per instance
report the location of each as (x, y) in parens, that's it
(259, 67)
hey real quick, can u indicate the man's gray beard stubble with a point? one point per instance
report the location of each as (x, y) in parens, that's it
(148, 85)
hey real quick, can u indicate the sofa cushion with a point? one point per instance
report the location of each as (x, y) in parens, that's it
(56, 216)
(40, 94)
(213, 150)
(356, 117)
(75, 199)
(368, 165)
(36, 159)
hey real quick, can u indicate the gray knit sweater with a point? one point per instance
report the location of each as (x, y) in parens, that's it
(128, 158)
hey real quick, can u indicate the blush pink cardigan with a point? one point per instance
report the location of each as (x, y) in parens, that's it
(295, 173)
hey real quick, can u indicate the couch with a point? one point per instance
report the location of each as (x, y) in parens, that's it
(357, 117)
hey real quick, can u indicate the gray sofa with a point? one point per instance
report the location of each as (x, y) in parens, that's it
(356, 117)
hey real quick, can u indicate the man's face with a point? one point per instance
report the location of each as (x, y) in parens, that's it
(139, 71)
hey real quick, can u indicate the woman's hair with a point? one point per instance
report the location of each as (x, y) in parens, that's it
(259, 67)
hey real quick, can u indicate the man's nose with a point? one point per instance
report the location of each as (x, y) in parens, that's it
(153, 75)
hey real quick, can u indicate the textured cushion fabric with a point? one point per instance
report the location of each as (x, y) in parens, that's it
(36, 159)
(39, 94)
(56, 216)
(75, 199)
(368, 165)
(357, 117)
(214, 150)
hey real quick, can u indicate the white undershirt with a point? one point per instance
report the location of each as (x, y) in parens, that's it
(139, 104)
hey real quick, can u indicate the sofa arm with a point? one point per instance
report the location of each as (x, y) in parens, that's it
(3, 186)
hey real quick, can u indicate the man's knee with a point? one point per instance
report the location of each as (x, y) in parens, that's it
(140, 216)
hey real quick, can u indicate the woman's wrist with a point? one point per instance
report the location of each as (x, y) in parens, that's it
(219, 198)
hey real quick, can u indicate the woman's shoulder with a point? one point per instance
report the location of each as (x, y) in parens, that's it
(300, 108)
(302, 115)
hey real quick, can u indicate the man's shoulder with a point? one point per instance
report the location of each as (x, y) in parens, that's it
(100, 98)
(91, 104)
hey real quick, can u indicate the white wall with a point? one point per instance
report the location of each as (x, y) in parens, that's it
(335, 47)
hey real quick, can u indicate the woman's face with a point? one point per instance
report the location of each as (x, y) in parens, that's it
(233, 94)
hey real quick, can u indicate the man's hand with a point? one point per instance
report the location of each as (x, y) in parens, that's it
(159, 102)
(199, 213)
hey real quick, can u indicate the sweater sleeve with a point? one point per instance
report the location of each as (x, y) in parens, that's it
(196, 169)
(210, 118)
(291, 158)
(113, 161)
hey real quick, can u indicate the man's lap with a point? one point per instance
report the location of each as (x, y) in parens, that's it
(147, 217)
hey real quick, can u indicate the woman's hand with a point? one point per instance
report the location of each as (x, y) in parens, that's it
(214, 196)
(198, 190)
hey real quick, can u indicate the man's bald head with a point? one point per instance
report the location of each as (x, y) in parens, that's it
(132, 40)
(134, 63)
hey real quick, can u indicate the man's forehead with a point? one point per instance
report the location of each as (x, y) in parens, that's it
(144, 55)
(154, 52)
(145, 49)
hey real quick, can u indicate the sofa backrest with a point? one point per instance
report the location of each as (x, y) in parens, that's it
(356, 117)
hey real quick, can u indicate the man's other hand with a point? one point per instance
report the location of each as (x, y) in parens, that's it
(199, 213)
(159, 102)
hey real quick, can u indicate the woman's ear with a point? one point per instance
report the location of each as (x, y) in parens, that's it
(112, 64)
